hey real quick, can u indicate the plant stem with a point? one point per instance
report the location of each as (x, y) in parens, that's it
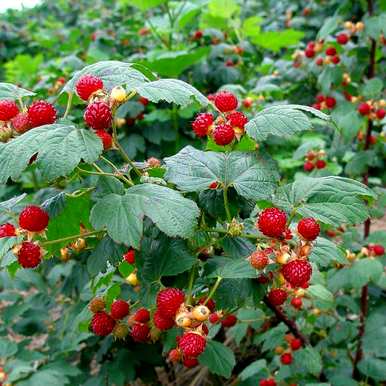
(190, 285)
(69, 238)
(69, 103)
(224, 231)
(96, 173)
(119, 173)
(213, 290)
(226, 204)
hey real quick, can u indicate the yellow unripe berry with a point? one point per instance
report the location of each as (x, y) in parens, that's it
(183, 320)
(118, 94)
(283, 258)
(132, 279)
(201, 313)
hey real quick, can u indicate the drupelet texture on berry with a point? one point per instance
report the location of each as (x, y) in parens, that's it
(119, 309)
(272, 222)
(8, 110)
(41, 113)
(29, 255)
(223, 134)
(277, 296)
(192, 344)
(297, 272)
(140, 332)
(225, 101)
(98, 115)
(7, 230)
(308, 228)
(33, 218)
(202, 123)
(87, 85)
(169, 301)
(102, 324)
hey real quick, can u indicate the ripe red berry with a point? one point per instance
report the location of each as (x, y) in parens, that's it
(225, 101)
(272, 222)
(267, 382)
(335, 59)
(87, 85)
(33, 218)
(317, 106)
(330, 102)
(297, 303)
(320, 98)
(21, 123)
(162, 322)
(7, 230)
(169, 301)
(190, 362)
(198, 35)
(106, 139)
(8, 110)
(319, 61)
(213, 185)
(308, 166)
(229, 321)
(320, 164)
(41, 113)
(295, 344)
(192, 344)
(142, 315)
(129, 256)
(223, 134)
(119, 309)
(377, 249)
(202, 123)
(364, 108)
(277, 296)
(211, 304)
(143, 101)
(308, 228)
(342, 38)
(140, 332)
(258, 259)
(98, 115)
(286, 358)
(309, 52)
(237, 119)
(381, 113)
(214, 318)
(297, 272)
(29, 255)
(174, 355)
(331, 51)
(102, 324)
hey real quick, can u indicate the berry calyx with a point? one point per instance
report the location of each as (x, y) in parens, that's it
(102, 324)
(295, 344)
(223, 134)
(277, 296)
(258, 259)
(272, 222)
(364, 108)
(97, 305)
(8, 110)
(98, 115)
(286, 358)
(162, 322)
(225, 101)
(119, 309)
(308, 228)
(192, 344)
(342, 38)
(297, 303)
(142, 315)
(229, 321)
(7, 230)
(106, 138)
(297, 272)
(87, 85)
(33, 218)
(41, 113)
(129, 256)
(29, 255)
(140, 332)
(202, 124)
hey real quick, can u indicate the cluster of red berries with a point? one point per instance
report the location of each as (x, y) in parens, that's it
(376, 250)
(32, 220)
(324, 102)
(228, 126)
(314, 159)
(372, 110)
(331, 55)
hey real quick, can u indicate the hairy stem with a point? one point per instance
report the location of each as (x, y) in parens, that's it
(69, 238)
(213, 290)
(226, 204)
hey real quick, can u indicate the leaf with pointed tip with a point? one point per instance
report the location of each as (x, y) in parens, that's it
(10, 91)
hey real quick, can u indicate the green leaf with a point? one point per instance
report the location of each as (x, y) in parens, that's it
(373, 367)
(251, 175)
(324, 252)
(10, 91)
(172, 91)
(328, 77)
(231, 268)
(276, 40)
(112, 72)
(7, 348)
(60, 148)
(251, 25)
(375, 26)
(309, 359)
(321, 293)
(347, 119)
(253, 369)
(372, 88)
(12, 202)
(272, 337)
(332, 200)
(143, 5)
(223, 8)
(282, 120)
(218, 358)
(329, 26)
(123, 215)
(360, 162)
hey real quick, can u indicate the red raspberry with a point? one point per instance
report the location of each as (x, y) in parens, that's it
(213, 185)
(309, 52)
(98, 115)
(87, 85)
(335, 59)
(119, 309)
(237, 119)
(162, 322)
(142, 315)
(106, 138)
(317, 106)
(381, 113)
(29, 255)
(192, 344)
(331, 51)
(190, 362)
(258, 259)
(295, 344)
(319, 61)
(8, 110)
(377, 249)
(320, 98)
(277, 296)
(169, 301)
(267, 382)
(364, 108)
(41, 113)
(214, 318)
(211, 97)
(102, 324)
(297, 303)
(174, 355)
(129, 256)
(286, 358)
(7, 230)
(223, 134)
(308, 166)
(308, 228)
(330, 102)
(202, 123)
(342, 38)
(33, 218)
(211, 304)
(140, 332)
(320, 164)
(198, 35)
(297, 272)
(311, 45)
(272, 222)
(143, 101)
(21, 123)
(225, 101)
(229, 321)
